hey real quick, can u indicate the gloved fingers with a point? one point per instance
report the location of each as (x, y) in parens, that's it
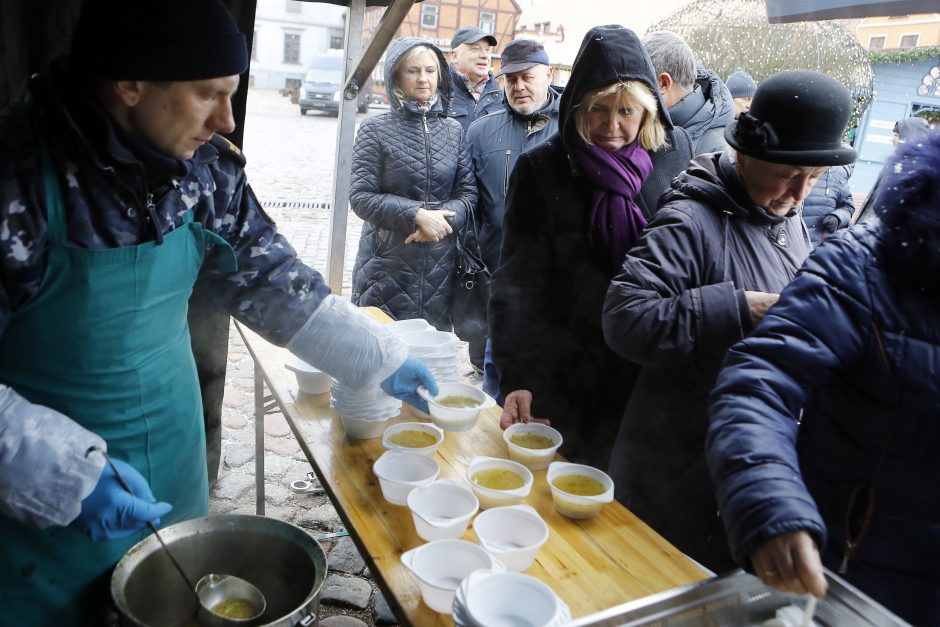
(425, 378)
(138, 513)
(416, 401)
(135, 481)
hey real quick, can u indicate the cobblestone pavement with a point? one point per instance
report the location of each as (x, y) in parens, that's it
(290, 168)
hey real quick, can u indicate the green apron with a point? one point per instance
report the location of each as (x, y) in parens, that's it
(105, 341)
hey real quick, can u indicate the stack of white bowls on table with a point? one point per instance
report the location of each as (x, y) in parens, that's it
(365, 412)
(487, 598)
(438, 351)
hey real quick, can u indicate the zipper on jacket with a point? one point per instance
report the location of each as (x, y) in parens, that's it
(506, 173)
(151, 217)
(427, 200)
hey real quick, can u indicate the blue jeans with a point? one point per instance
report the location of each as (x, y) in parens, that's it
(490, 374)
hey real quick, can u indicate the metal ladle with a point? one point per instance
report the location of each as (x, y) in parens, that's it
(213, 588)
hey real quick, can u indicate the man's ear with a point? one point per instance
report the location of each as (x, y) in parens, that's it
(453, 56)
(665, 83)
(128, 92)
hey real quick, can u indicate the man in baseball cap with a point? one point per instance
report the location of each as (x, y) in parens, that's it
(476, 92)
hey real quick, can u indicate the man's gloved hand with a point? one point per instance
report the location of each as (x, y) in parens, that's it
(404, 382)
(830, 223)
(109, 512)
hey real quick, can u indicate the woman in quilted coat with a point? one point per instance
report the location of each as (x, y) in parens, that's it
(413, 185)
(852, 347)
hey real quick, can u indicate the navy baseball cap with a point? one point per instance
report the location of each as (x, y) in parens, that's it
(522, 54)
(470, 35)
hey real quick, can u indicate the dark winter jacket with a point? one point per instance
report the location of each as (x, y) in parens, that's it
(403, 160)
(545, 312)
(705, 112)
(496, 141)
(774, 474)
(675, 308)
(119, 192)
(464, 108)
(830, 196)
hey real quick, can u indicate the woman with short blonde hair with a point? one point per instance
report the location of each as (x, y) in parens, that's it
(630, 95)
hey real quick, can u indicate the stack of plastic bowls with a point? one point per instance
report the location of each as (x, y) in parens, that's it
(438, 351)
(365, 412)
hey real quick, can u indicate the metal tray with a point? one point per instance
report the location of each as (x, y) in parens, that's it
(738, 598)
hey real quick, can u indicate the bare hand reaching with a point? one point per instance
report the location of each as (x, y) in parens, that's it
(518, 408)
(790, 562)
(431, 225)
(760, 302)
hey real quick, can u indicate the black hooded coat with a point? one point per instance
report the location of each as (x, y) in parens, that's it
(545, 312)
(404, 160)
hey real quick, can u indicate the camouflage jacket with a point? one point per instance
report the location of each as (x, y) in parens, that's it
(108, 203)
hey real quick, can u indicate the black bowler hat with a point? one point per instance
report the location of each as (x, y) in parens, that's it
(470, 35)
(797, 117)
(522, 54)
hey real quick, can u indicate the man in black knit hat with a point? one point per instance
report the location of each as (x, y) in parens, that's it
(114, 188)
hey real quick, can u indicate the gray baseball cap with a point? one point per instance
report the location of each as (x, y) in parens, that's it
(470, 35)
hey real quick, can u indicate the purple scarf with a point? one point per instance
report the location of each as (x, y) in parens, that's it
(615, 220)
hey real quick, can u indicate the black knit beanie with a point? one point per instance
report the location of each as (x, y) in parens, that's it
(158, 40)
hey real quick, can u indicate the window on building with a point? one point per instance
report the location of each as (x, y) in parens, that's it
(292, 48)
(336, 41)
(254, 46)
(909, 41)
(428, 16)
(488, 22)
(877, 42)
(293, 6)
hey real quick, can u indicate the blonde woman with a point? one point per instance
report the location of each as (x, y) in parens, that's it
(412, 184)
(572, 213)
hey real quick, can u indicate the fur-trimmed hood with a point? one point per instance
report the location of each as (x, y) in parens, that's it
(908, 204)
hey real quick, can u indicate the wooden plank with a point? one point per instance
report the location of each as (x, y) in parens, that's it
(592, 564)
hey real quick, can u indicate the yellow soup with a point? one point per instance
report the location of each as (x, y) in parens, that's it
(412, 439)
(531, 440)
(457, 402)
(579, 485)
(235, 608)
(498, 479)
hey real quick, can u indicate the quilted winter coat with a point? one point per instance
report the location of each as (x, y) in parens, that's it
(817, 353)
(404, 160)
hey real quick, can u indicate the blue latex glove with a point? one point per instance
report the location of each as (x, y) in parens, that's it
(404, 382)
(110, 512)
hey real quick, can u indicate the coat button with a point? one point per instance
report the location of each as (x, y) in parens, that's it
(131, 212)
(782, 239)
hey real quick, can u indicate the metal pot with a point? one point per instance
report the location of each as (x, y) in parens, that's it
(281, 559)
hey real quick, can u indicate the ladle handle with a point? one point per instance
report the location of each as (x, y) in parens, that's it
(124, 484)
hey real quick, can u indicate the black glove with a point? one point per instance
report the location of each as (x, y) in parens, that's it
(830, 223)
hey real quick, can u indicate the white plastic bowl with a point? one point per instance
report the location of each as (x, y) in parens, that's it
(498, 599)
(442, 509)
(456, 418)
(572, 505)
(401, 472)
(496, 498)
(430, 340)
(310, 380)
(401, 327)
(441, 565)
(423, 427)
(363, 428)
(513, 534)
(532, 458)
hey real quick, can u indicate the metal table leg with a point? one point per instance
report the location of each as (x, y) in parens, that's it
(259, 441)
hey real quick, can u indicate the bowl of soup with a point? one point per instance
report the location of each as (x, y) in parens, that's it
(457, 406)
(579, 491)
(532, 444)
(497, 482)
(417, 437)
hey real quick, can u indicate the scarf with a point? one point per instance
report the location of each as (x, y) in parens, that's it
(615, 220)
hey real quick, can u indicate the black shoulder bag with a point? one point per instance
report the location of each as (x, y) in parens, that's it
(472, 284)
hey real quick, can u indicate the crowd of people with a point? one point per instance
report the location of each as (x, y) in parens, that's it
(675, 288)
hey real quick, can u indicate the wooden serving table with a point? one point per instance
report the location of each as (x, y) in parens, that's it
(591, 564)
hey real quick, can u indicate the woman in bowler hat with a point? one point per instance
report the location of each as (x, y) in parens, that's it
(727, 238)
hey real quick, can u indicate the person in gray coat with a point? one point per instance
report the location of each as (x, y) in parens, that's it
(412, 184)
(725, 241)
(698, 100)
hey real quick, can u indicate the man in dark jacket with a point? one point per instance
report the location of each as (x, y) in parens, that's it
(476, 91)
(114, 191)
(822, 420)
(725, 241)
(697, 99)
(829, 206)
(530, 116)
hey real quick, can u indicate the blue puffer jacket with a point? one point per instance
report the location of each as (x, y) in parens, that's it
(464, 108)
(496, 141)
(830, 196)
(817, 352)
(404, 160)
